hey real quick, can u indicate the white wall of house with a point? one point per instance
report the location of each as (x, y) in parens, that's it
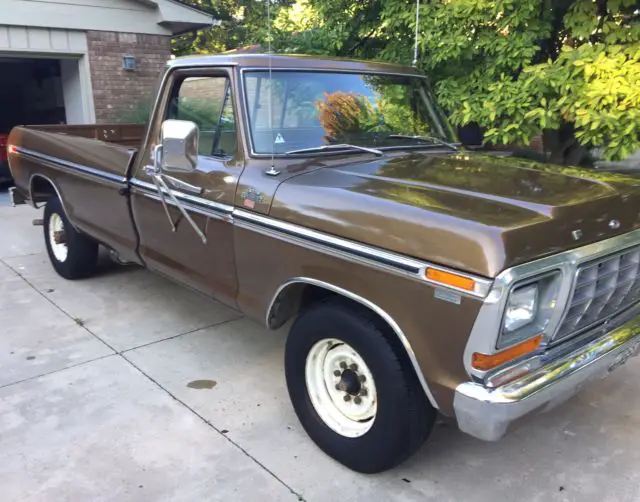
(151, 17)
(77, 110)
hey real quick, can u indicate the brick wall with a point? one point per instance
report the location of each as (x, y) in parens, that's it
(116, 91)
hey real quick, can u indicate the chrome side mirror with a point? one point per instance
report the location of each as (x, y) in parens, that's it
(179, 140)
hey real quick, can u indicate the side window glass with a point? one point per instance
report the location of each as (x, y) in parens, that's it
(226, 134)
(207, 102)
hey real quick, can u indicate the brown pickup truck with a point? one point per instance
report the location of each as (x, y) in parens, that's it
(420, 278)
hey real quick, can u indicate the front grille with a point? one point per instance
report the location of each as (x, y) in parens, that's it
(603, 287)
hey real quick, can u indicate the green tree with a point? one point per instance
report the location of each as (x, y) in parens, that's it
(238, 23)
(567, 68)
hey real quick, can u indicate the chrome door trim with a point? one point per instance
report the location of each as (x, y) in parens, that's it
(200, 205)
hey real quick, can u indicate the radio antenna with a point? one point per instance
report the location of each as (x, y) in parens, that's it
(272, 171)
(415, 47)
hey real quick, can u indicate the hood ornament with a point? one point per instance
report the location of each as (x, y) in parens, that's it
(614, 224)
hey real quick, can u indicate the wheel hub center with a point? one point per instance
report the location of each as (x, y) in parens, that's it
(350, 383)
(59, 237)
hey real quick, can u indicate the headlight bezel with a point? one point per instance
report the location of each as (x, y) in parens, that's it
(487, 325)
(549, 286)
(487, 329)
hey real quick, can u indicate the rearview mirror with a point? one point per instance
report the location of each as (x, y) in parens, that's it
(179, 140)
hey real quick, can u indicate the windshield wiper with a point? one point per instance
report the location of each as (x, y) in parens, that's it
(433, 139)
(374, 151)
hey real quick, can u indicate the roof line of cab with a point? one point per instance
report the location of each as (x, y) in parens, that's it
(301, 62)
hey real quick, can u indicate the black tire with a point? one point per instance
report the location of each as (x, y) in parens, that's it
(82, 252)
(404, 417)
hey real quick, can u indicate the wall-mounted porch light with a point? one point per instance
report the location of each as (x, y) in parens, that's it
(129, 63)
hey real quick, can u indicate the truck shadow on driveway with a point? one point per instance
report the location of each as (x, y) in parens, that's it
(583, 447)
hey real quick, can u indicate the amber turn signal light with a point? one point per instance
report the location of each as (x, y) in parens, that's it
(450, 279)
(484, 362)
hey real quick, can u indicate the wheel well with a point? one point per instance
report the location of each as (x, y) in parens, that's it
(296, 296)
(293, 299)
(41, 189)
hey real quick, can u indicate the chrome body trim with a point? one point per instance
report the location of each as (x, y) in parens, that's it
(414, 268)
(487, 413)
(410, 266)
(58, 163)
(486, 329)
(196, 204)
(407, 264)
(370, 305)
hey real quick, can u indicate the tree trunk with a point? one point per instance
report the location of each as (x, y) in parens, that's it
(562, 147)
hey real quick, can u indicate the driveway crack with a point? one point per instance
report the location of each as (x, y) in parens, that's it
(219, 431)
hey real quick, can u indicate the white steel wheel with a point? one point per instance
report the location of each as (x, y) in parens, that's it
(57, 237)
(341, 387)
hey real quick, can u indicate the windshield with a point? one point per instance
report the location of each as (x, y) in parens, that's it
(311, 109)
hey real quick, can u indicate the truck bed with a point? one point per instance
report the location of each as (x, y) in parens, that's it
(129, 135)
(87, 167)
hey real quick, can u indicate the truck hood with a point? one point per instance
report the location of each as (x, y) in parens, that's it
(477, 213)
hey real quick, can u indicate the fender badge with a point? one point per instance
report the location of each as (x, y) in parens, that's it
(251, 197)
(614, 224)
(576, 234)
(447, 296)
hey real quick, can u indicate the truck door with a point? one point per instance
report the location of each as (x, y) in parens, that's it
(198, 249)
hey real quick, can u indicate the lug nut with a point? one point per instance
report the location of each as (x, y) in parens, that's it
(343, 365)
(353, 367)
(363, 392)
(338, 386)
(337, 373)
(347, 397)
(362, 378)
(357, 400)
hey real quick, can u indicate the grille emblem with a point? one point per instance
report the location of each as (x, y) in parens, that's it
(614, 224)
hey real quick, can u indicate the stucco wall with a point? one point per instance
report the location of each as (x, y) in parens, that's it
(116, 91)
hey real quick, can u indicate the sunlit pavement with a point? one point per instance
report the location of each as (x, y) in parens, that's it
(126, 387)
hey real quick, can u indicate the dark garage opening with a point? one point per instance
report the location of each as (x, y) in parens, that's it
(30, 92)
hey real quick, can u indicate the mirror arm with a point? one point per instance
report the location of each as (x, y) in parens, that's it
(156, 181)
(162, 185)
(183, 185)
(155, 172)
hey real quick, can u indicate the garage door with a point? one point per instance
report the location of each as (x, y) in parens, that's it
(64, 69)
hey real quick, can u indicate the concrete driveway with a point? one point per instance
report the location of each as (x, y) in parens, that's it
(126, 387)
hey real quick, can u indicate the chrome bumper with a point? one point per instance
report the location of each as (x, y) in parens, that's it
(16, 197)
(487, 413)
